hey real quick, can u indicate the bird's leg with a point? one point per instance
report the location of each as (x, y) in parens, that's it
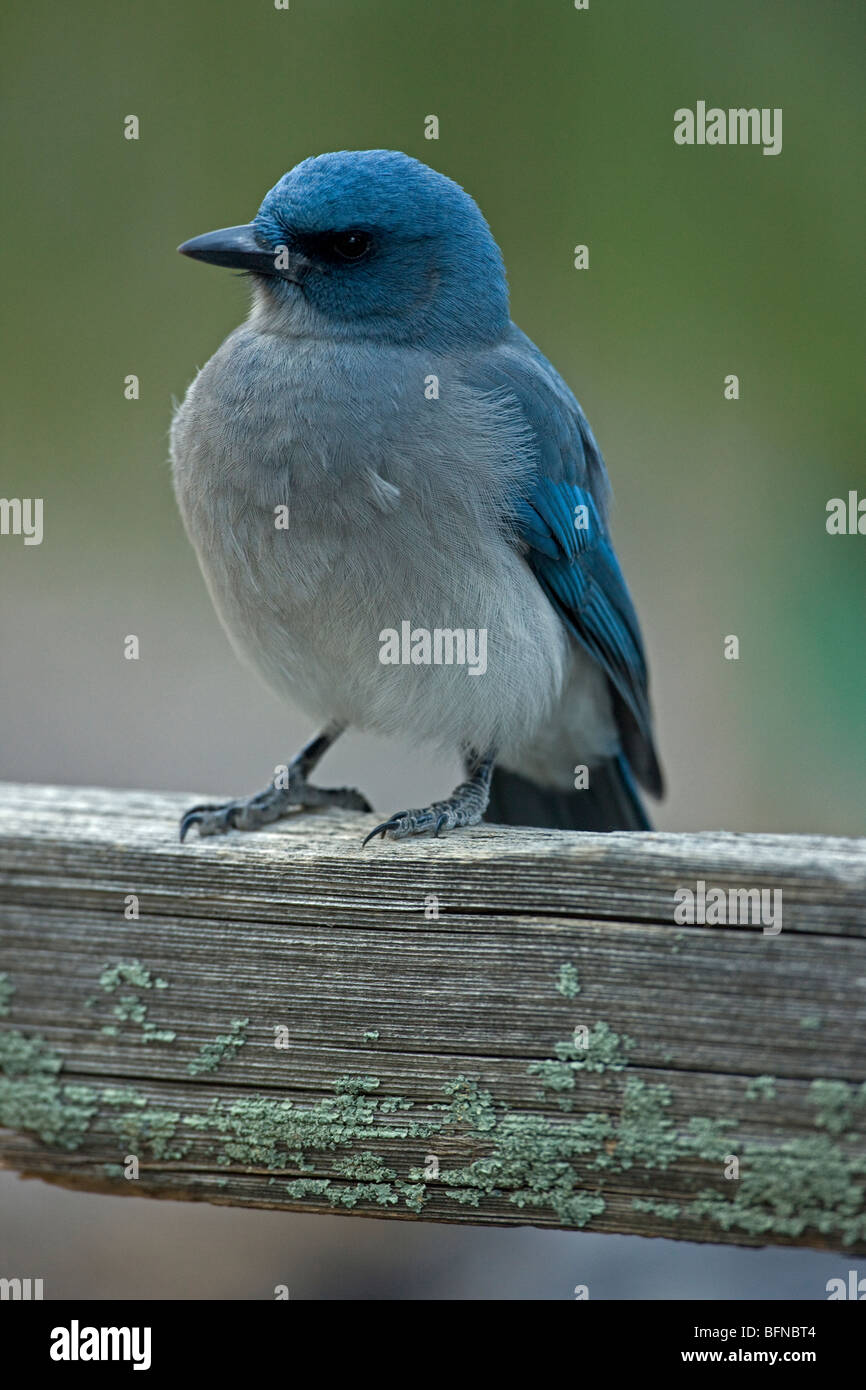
(465, 806)
(286, 793)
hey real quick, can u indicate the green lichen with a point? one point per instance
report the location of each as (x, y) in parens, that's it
(761, 1088)
(27, 1057)
(130, 1009)
(535, 1161)
(802, 1184)
(212, 1054)
(466, 1196)
(128, 972)
(414, 1195)
(260, 1132)
(33, 1099)
(605, 1051)
(371, 1035)
(531, 1164)
(365, 1167)
(7, 989)
(332, 1150)
(787, 1188)
(668, 1211)
(78, 1094)
(122, 1095)
(645, 1134)
(709, 1139)
(150, 1129)
(811, 1021)
(307, 1187)
(382, 1193)
(356, 1085)
(151, 1034)
(568, 982)
(835, 1102)
(470, 1106)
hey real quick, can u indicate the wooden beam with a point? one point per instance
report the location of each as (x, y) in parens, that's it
(501, 1026)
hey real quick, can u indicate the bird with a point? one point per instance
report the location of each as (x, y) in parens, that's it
(379, 453)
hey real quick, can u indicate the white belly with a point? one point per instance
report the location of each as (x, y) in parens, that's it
(384, 526)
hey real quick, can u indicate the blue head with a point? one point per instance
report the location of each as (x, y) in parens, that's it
(370, 244)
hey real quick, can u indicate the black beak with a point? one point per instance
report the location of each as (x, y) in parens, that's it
(233, 246)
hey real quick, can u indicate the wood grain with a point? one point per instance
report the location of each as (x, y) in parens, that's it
(426, 993)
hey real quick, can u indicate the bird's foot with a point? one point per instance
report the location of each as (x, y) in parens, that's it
(465, 806)
(272, 804)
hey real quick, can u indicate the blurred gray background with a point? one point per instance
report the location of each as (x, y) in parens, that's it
(703, 262)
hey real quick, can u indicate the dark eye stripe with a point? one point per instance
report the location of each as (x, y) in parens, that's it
(339, 247)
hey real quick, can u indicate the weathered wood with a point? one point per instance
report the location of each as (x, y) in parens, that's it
(427, 993)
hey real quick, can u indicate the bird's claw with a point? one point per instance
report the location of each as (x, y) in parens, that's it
(387, 826)
(268, 806)
(436, 818)
(211, 820)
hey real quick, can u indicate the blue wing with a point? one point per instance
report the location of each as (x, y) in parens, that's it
(561, 519)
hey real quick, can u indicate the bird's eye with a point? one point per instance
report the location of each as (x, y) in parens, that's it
(350, 246)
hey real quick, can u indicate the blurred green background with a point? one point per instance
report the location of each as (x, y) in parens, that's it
(703, 262)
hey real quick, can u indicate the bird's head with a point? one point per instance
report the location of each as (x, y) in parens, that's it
(369, 244)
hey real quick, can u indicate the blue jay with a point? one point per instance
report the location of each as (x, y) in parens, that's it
(380, 473)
